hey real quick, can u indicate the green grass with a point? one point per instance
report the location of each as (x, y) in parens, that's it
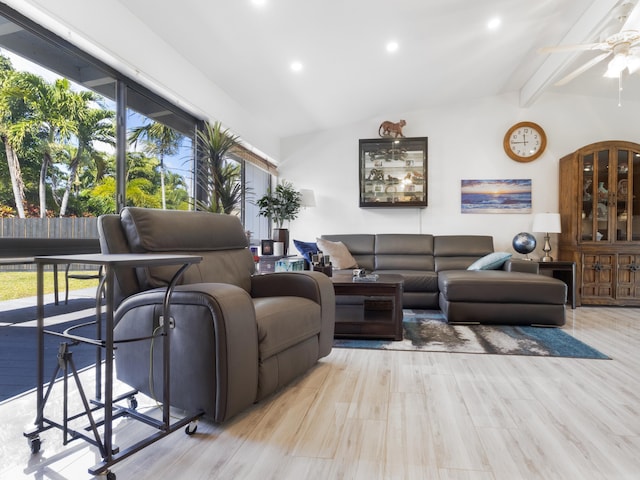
(23, 284)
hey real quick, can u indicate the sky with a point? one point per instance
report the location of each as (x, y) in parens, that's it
(496, 186)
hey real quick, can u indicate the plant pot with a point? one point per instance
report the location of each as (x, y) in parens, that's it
(282, 235)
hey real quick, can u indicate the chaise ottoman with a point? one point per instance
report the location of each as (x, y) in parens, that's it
(496, 296)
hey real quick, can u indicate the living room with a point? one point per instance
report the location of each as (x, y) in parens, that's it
(465, 131)
(369, 405)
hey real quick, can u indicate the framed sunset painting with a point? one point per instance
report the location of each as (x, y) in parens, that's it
(496, 196)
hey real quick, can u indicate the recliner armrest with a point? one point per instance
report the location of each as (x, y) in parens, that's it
(519, 265)
(315, 286)
(298, 284)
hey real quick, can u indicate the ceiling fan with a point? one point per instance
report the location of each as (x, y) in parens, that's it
(623, 47)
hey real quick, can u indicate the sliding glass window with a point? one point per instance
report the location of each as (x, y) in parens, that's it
(65, 146)
(68, 152)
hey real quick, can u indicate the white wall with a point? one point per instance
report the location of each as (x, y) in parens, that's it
(465, 142)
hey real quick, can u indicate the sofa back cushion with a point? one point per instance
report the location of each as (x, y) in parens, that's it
(359, 245)
(404, 251)
(457, 252)
(218, 238)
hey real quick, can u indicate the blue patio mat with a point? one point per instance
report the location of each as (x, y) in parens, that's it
(18, 340)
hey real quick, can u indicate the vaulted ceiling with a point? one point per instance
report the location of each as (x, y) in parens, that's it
(446, 53)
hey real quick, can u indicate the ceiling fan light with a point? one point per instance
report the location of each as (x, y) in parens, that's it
(616, 66)
(633, 64)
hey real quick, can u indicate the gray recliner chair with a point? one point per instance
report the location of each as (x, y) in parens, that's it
(238, 336)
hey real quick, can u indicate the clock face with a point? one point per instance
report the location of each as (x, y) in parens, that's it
(525, 141)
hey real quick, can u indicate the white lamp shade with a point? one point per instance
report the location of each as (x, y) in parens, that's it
(307, 198)
(546, 223)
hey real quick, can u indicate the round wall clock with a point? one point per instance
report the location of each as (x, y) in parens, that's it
(525, 141)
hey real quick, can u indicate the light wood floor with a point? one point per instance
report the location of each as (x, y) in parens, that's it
(399, 415)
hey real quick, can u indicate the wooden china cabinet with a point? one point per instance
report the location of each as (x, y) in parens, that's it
(600, 212)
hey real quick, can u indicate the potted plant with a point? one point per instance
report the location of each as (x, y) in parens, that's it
(280, 205)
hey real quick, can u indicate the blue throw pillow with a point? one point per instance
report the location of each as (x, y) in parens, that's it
(493, 261)
(306, 249)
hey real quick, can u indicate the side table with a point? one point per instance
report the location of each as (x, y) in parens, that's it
(267, 263)
(110, 453)
(565, 271)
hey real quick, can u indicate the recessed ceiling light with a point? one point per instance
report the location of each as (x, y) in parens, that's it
(392, 46)
(296, 66)
(494, 23)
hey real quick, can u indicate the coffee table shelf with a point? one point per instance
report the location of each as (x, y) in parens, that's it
(368, 309)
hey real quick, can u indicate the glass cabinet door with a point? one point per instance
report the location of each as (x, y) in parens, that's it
(602, 191)
(611, 195)
(595, 196)
(633, 196)
(589, 197)
(393, 172)
(623, 204)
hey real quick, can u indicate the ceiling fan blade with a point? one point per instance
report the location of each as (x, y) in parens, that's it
(632, 21)
(575, 48)
(582, 69)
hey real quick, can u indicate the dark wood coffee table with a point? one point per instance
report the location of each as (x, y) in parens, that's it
(368, 309)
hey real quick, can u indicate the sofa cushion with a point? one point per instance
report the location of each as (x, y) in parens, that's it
(404, 251)
(407, 243)
(284, 322)
(457, 252)
(416, 280)
(462, 245)
(340, 256)
(497, 286)
(306, 249)
(492, 261)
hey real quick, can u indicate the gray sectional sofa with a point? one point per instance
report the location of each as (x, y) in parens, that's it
(434, 268)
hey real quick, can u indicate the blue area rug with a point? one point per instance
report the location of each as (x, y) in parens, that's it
(428, 331)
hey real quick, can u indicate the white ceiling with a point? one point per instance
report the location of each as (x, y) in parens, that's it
(446, 53)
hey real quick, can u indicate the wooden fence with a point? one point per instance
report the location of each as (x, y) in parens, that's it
(68, 227)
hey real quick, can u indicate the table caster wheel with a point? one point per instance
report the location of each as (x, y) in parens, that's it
(133, 402)
(191, 428)
(34, 444)
(111, 476)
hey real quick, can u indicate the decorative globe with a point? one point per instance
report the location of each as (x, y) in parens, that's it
(524, 243)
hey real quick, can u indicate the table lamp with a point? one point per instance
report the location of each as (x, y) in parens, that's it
(546, 223)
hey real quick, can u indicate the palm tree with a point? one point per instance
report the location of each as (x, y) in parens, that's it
(51, 110)
(160, 140)
(141, 190)
(59, 108)
(12, 110)
(177, 192)
(93, 125)
(218, 179)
